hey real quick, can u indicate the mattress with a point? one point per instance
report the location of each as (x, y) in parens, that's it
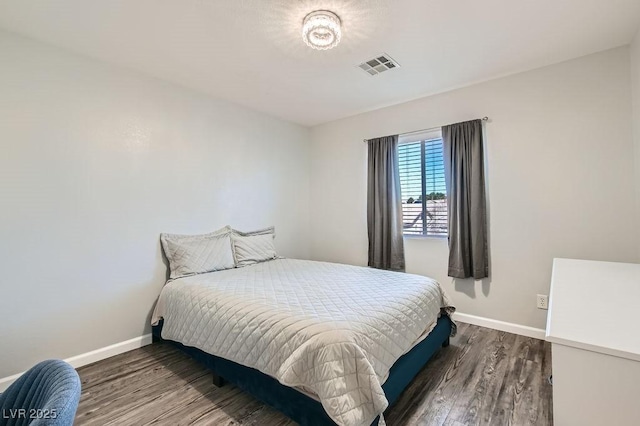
(334, 330)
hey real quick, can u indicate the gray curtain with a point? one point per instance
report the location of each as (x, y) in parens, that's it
(464, 175)
(384, 205)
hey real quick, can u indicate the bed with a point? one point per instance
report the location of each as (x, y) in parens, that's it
(324, 343)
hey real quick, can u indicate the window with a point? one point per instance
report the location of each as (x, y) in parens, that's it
(424, 194)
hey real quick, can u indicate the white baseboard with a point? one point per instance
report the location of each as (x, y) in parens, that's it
(138, 342)
(509, 327)
(91, 357)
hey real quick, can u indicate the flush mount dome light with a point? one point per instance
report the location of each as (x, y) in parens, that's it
(321, 30)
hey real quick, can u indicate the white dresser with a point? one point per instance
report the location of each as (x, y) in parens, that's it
(594, 329)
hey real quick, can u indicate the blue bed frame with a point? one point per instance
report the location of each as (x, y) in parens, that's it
(299, 407)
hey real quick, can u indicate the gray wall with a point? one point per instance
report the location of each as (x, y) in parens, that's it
(560, 174)
(96, 162)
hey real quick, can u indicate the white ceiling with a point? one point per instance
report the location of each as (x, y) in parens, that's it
(250, 51)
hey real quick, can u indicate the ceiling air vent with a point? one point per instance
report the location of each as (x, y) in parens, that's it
(379, 64)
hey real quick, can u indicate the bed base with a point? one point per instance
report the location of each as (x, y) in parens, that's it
(297, 406)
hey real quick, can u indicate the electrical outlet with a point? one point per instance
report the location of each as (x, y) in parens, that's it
(542, 301)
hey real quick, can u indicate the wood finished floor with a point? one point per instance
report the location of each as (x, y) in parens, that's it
(485, 377)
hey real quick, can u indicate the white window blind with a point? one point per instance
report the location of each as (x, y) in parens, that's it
(423, 189)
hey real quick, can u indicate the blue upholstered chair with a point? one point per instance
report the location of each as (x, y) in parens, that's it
(46, 395)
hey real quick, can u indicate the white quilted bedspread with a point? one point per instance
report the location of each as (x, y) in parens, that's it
(332, 329)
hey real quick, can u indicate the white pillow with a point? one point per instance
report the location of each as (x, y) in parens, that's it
(253, 249)
(269, 230)
(197, 254)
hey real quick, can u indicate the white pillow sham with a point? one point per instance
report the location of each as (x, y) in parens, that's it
(268, 230)
(197, 254)
(251, 249)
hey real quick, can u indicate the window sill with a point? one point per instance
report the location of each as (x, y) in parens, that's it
(425, 237)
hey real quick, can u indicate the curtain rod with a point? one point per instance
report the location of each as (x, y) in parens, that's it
(426, 130)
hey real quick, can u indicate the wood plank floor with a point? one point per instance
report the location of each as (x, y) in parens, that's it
(485, 377)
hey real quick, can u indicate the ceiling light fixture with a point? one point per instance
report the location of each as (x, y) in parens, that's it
(321, 30)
